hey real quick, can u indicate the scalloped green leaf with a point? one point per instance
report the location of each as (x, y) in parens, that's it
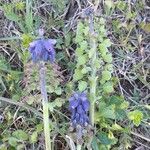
(108, 87)
(79, 38)
(34, 137)
(108, 112)
(103, 138)
(94, 144)
(106, 75)
(116, 127)
(85, 70)
(83, 45)
(136, 116)
(58, 102)
(107, 42)
(78, 75)
(12, 141)
(58, 90)
(79, 52)
(82, 85)
(82, 60)
(102, 81)
(108, 58)
(86, 31)
(109, 67)
(103, 48)
(80, 27)
(91, 52)
(20, 135)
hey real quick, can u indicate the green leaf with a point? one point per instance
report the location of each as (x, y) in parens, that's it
(109, 3)
(121, 5)
(3, 147)
(79, 38)
(91, 52)
(12, 141)
(82, 60)
(68, 39)
(28, 16)
(109, 67)
(108, 112)
(110, 135)
(102, 33)
(98, 63)
(51, 106)
(124, 105)
(107, 58)
(31, 99)
(9, 13)
(78, 74)
(102, 21)
(80, 27)
(39, 128)
(58, 102)
(145, 26)
(20, 6)
(107, 42)
(34, 137)
(20, 147)
(84, 45)
(136, 116)
(102, 81)
(103, 147)
(94, 144)
(50, 88)
(116, 127)
(58, 91)
(103, 49)
(106, 75)
(115, 100)
(26, 39)
(79, 52)
(86, 31)
(85, 70)
(82, 86)
(108, 87)
(103, 138)
(120, 114)
(20, 135)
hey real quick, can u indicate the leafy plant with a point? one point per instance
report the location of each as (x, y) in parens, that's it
(101, 51)
(12, 12)
(9, 79)
(136, 116)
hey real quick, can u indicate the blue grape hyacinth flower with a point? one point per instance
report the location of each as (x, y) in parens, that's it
(79, 107)
(42, 49)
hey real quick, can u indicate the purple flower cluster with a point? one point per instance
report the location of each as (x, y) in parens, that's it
(42, 50)
(79, 106)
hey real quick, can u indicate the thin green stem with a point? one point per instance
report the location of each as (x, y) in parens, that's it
(45, 107)
(93, 72)
(79, 147)
(46, 126)
(14, 102)
(140, 136)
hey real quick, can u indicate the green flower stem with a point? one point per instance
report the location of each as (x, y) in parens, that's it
(93, 84)
(79, 147)
(45, 106)
(93, 72)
